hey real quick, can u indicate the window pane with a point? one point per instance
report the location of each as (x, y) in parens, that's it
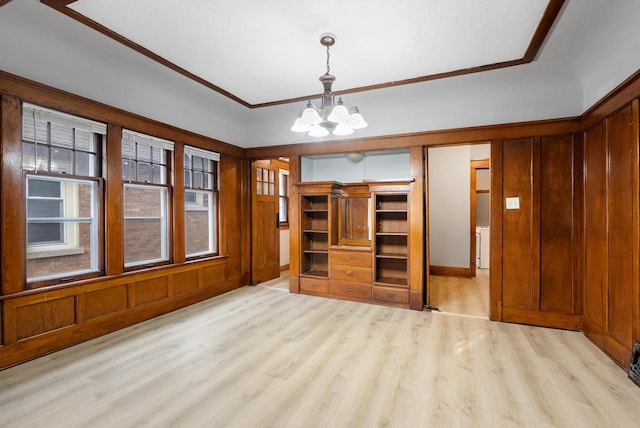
(61, 136)
(187, 179)
(128, 170)
(44, 208)
(42, 158)
(45, 233)
(28, 156)
(199, 225)
(61, 160)
(143, 152)
(62, 228)
(85, 141)
(197, 163)
(145, 224)
(197, 179)
(128, 150)
(283, 210)
(44, 188)
(86, 164)
(144, 172)
(28, 129)
(159, 174)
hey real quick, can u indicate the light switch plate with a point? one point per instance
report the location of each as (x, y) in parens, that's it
(513, 203)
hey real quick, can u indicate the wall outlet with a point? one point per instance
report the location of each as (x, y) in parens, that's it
(513, 203)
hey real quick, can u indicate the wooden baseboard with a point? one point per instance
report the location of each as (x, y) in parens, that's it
(541, 319)
(450, 271)
(284, 268)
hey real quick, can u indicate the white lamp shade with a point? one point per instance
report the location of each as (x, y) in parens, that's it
(299, 126)
(339, 114)
(342, 129)
(318, 131)
(310, 117)
(356, 121)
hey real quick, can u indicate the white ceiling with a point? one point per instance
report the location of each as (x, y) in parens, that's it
(265, 51)
(591, 49)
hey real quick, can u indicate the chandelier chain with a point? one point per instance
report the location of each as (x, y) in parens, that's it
(328, 55)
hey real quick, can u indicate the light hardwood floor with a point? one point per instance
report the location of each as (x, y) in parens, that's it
(459, 295)
(261, 357)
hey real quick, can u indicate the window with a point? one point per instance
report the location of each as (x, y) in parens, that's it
(145, 168)
(284, 196)
(200, 201)
(60, 156)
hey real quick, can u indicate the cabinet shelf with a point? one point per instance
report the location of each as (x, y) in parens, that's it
(398, 256)
(392, 211)
(392, 240)
(324, 232)
(314, 211)
(315, 251)
(316, 273)
(391, 281)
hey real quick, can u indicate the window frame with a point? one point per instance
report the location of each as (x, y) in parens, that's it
(167, 221)
(214, 199)
(97, 132)
(284, 224)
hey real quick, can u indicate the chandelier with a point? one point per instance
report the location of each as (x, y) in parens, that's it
(331, 116)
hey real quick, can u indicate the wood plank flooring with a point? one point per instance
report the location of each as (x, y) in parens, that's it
(261, 357)
(459, 295)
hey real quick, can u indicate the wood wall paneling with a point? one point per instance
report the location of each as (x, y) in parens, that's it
(114, 203)
(517, 229)
(150, 290)
(13, 248)
(184, 282)
(43, 317)
(105, 302)
(497, 201)
(621, 238)
(557, 285)
(595, 277)
(417, 226)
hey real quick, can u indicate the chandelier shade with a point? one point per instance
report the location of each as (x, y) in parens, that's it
(331, 116)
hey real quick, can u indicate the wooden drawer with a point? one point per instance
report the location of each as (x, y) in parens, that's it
(351, 273)
(350, 258)
(391, 295)
(351, 289)
(314, 285)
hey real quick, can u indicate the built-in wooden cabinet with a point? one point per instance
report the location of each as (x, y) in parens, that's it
(391, 282)
(354, 241)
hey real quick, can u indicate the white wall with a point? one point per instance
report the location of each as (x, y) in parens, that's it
(449, 206)
(373, 166)
(284, 247)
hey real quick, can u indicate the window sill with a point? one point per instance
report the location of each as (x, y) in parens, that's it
(43, 253)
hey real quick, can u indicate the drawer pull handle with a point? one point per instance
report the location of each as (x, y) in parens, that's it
(349, 289)
(348, 272)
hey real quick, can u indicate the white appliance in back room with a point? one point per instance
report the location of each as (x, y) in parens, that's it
(482, 247)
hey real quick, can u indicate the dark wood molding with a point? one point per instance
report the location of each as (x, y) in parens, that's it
(450, 271)
(453, 136)
(4, 2)
(542, 30)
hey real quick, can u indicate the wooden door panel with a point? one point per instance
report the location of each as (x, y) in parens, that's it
(265, 234)
(595, 257)
(556, 225)
(517, 225)
(620, 221)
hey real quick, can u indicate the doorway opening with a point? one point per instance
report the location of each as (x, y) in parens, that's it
(458, 224)
(269, 219)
